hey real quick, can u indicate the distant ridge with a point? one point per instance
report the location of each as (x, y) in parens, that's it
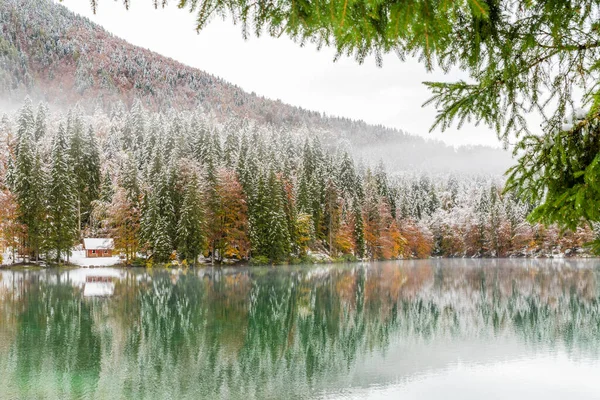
(54, 55)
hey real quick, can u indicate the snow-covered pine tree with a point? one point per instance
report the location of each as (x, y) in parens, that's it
(107, 190)
(247, 168)
(190, 227)
(152, 139)
(277, 231)
(199, 134)
(158, 222)
(94, 173)
(9, 178)
(84, 161)
(347, 177)
(129, 179)
(40, 122)
(331, 215)
(25, 124)
(29, 191)
(62, 201)
(138, 127)
(231, 146)
(385, 191)
(162, 244)
(176, 187)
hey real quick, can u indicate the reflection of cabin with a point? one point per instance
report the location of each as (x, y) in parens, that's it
(98, 247)
(98, 286)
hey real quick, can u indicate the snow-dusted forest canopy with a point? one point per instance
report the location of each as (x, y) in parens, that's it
(177, 185)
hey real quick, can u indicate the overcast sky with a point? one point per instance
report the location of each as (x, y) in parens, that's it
(281, 69)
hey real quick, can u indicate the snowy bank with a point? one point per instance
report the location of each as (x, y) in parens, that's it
(78, 258)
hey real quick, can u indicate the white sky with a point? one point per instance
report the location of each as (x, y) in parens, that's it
(281, 69)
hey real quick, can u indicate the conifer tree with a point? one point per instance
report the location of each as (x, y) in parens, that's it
(106, 190)
(242, 167)
(230, 148)
(159, 220)
(85, 163)
(9, 178)
(126, 134)
(268, 222)
(40, 122)
(94, 174)
(278, 239)
(62, 203)
(386, 192)
(25, 124)
(174, 135)
(359, 233)
(190, 228)
(199, 134)
(347, 177)
(162, 244)
(129, 179)
(138, 127)
(296, 233)
(176, 181)
(151, 141)
(311, 187)
(29, 191)
(113, 145)
(332, 215)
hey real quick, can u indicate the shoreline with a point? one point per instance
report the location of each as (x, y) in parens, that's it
(247, 264)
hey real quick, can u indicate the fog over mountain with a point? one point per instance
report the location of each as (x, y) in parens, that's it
(51, 54)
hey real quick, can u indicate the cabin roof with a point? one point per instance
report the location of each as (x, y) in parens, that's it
(98, 243)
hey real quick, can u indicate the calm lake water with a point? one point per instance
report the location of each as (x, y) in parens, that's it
(431, 329)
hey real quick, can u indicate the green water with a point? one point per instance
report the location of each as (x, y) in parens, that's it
(417, 329)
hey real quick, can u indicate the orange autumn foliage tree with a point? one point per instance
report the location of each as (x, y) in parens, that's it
(344, 242)
(10, 228)
(419, 241)
(382, 235)
(124, 222)
(392, 243)
(231, 233)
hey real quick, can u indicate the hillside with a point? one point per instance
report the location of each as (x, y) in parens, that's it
(54, 55)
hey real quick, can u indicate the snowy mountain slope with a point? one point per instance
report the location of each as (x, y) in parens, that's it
(52, 54)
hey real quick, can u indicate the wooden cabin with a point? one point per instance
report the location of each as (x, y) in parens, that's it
(98, 247)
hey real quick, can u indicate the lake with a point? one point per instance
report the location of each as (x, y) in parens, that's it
(427, 329)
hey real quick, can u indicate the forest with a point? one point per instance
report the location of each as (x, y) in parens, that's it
(182, 187)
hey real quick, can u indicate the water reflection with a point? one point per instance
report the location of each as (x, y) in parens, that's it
(287, 332)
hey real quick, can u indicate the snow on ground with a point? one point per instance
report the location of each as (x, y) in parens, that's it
(78, 258)
(7, 258)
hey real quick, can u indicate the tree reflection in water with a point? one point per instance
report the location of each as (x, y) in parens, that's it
(280, 332)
